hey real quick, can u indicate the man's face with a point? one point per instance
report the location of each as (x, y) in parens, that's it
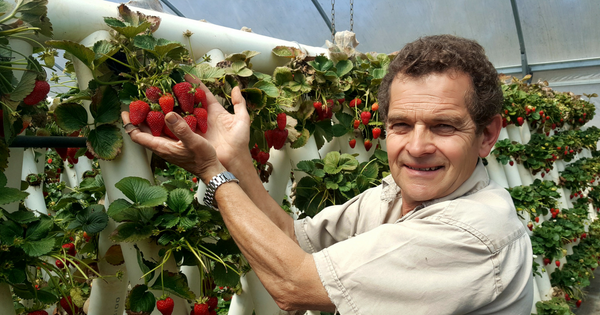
(431, 141)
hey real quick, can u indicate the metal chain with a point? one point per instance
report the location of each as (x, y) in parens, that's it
(333, 21)
(351, 15)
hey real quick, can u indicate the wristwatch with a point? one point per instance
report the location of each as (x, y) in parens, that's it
(213, 184)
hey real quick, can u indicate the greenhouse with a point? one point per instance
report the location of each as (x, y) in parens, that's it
(309, 157)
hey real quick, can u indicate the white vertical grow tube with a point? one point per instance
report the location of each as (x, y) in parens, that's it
(6, 301)
(35, 201)
(13, 175)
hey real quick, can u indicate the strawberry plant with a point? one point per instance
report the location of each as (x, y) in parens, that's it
(555, 306)
(536, 199)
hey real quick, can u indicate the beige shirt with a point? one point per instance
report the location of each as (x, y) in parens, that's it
(466, 253)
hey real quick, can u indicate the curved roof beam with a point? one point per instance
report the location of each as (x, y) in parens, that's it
(525, 69)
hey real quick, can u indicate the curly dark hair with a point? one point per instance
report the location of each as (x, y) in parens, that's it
(442, 53)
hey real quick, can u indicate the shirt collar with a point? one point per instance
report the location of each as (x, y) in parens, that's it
(478, 180)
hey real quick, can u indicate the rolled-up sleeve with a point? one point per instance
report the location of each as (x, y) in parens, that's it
(413, 267)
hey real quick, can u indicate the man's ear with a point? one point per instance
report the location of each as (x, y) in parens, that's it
(490, 135)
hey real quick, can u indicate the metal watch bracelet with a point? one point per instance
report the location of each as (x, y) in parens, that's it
(213, 184)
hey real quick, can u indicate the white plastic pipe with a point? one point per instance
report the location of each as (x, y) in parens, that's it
(333, 145)
(280, 175)
(543, 282)
(24, 48)
(35, 201)
(13, 175)
(242, 304)
(526, 178)
(512, 174)
(496, 172)
(76, 19)
(363, 155)
(70, 174)
(536, 297)
(513, 133)
(525, 132)
(83, 165)
(6, 301)
(263, 302)
(307, 152)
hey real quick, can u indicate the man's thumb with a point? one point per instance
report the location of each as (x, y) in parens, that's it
(179, 127)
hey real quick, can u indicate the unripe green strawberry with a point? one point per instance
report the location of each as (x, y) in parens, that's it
(153, 94)
(138, 111)
(200, 97)
(165, 306)
(39, 93)
(201, 118)
(156, 121)
(166, 102)
(191, 121)
(185, 96)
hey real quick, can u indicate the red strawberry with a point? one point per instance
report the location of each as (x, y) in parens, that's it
(195, 179)
(70, 248)
(212, 302)
(567, 297)
(153, 94)
(39, 93)
(368, 144)
(355, 102)
(156, 122)
(276, 138)
(71, 155)
(553, 126)
(191, 121)
(40, 312)
(89, 155)
(49, 161)
(356, 123)
(584, 235)
(352, 143)
(537, 219)
(263, 157)
(59, 264)
(376, 132)
(504, 122)
(202, 119)
(578, 303)
(165, 306)
(170, 133)
(254, 152)
(530, 226)
(557, 263)
(511, 163)
(341, 100)
(541, 113)
(546, 261)
(543, 174)
(520, 120)
(166, 102)
(66, 304)
(212, 312)
(201, 309)
(318, 106)
(365, 117)
(375, 107)
(138, 110)
(200, 97)
(281, 121)
(185, 96)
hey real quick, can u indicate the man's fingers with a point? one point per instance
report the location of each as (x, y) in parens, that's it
(181, 129)
(239, 103)
(209, 96)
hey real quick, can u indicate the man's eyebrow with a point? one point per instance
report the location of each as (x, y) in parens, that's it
(452, 120)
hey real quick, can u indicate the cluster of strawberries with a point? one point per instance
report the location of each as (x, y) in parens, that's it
(39, 93)
(325, 111)
(365, 118)
(192, 105)
(276, 137)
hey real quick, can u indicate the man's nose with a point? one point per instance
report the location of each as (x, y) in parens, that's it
(420, 142)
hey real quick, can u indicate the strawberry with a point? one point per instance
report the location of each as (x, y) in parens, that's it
(376, 132)
(520, 120)
(375, 107)
(138, 110)
(530, 226)
(195, 179)
(341, 100)
(356, 123)
(548, 118)
(39, 93)
(511, 163)
(166, 102)
(557, 263)
(212, 312)
(352, 143)
(578, 303)
(153, 94)
(546, 261)
(368, 144)
(365, 117)
(185, 96)
(212, 302)
(66, 304)
(156, 121)
(506, 111)
(553, 126)
(543, 174)
(49, 161)
(191, 121)
(318, 106)
(201, 309)
(201, 118)
(40, 312)
(537, 219)
(276, 138)
(355, 102)
(70, 248)
(71, 155)
(59, 264)
(567, 297)
(584, 235)
(542, 113)
(170, 133)
(89, 155)
(504, 122)
(262, 157)
(254, 152)
(165, 306)
(200, 97)
(281, 121)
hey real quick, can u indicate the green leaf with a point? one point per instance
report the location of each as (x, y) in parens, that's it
(132, 232)
(146, 42)
(106, 106)
(321, 63)
(331, 161)
(339, 130)
(46, 296)
(141, 300)
(370, 170)
(10, 195)
(381, 155)
(246, 72)
(140, 192)
(145, 265)
(343, 67)
(106, 141)
(255, 97)
(283, 51)
(180, 199)
(81, 52)
(302, 139)
(103, 49)
(116, 209)
(168, 220)
(93, 219)
(175, 283)
(283, 75)
(323, 131)
(331, 185)
(268, 87)
(114, 22)
(21, 216)
(39, 229)
(362, 183)
(306, 166)
(38, 248)
(187, 222)
(16, 275)
(71, 116)
(128, 92)
(206, 72)
(25, 86)
(378, 73)
(131, 31)
(225, 277)
(348, 162)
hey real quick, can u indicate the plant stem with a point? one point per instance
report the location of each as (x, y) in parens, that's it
(14, 11)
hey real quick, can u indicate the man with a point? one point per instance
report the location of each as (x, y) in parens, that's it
(437, 237)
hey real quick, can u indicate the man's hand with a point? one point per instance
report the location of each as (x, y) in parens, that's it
(225, 141)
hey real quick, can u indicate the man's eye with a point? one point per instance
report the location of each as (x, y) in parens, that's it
(444, 128)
